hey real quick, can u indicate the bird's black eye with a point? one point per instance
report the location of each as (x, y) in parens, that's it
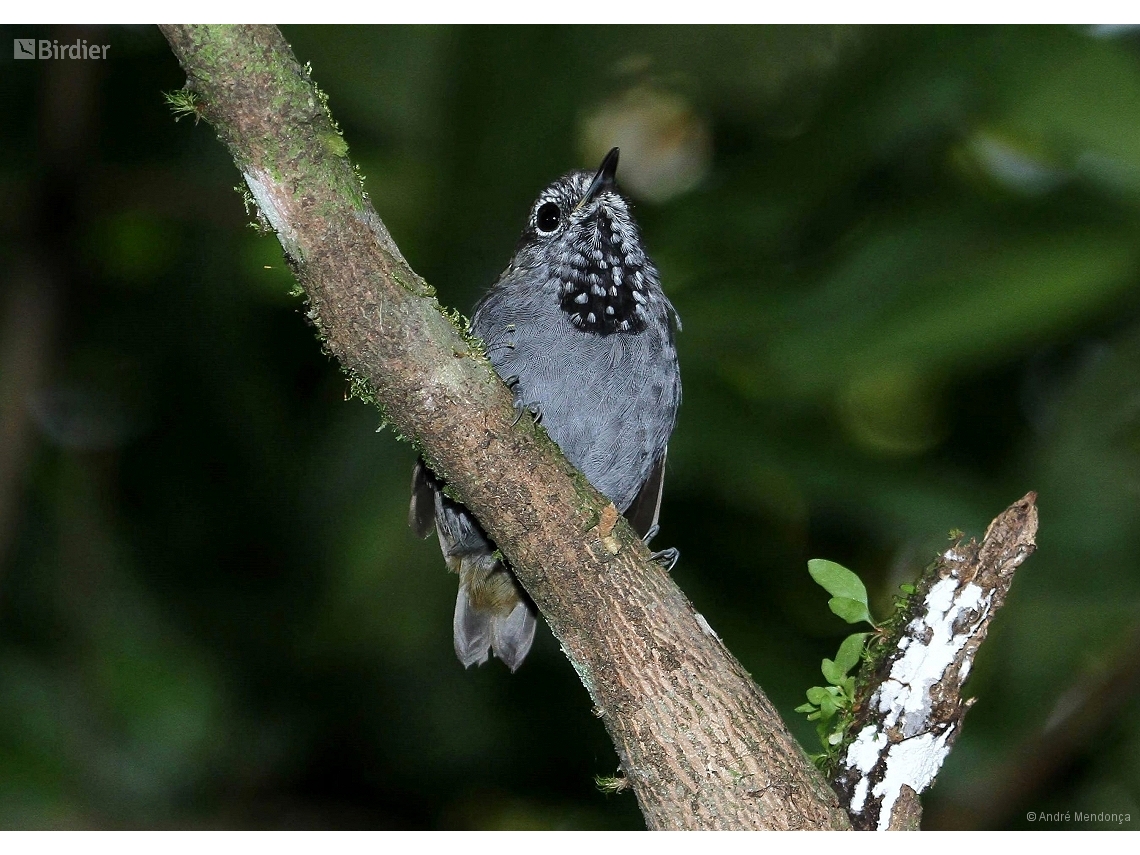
(548, 217)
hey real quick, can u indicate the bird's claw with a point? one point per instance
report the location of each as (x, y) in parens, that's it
(533, 409)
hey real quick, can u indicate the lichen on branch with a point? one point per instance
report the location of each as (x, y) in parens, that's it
(909, 713)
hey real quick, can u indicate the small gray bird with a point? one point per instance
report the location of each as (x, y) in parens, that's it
(579, 328)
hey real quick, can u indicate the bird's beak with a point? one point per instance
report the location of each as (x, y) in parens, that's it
(603, 179)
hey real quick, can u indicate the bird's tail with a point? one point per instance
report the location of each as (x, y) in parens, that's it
(492, 612)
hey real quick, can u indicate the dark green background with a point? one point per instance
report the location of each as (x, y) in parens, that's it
(908, 280)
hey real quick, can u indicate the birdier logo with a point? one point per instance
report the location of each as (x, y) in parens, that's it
(52, 49)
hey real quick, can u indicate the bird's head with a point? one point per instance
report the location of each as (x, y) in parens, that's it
(583, 238)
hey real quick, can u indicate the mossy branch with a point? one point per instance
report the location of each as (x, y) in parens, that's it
(699, 743)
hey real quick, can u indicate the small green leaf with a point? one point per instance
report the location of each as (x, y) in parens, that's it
(837, 580)
(828, 708)
(816, 694)
(908, 589)
(805, 708)
(848, 655)
(831, 672)
(835, 738)
(852, 611)
(849, 688)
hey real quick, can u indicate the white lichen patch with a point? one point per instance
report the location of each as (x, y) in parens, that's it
(273, 202)
(964, 670)
(904, 697)
(932, 643)
(913, 762)
(865, 750)
(705, 628)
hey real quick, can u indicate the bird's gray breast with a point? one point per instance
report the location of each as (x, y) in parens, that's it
(609, 401)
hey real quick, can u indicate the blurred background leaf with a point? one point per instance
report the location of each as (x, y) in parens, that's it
(906, 260)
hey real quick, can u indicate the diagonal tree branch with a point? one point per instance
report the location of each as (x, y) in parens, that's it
(699, 743)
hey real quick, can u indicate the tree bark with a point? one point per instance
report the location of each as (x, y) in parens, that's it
(699, 743)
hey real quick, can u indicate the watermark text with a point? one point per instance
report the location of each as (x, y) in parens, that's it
(1102, 817)
(53, 49)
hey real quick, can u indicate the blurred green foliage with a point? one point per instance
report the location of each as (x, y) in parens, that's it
(906, 260)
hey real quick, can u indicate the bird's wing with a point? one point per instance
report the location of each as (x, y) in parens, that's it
(646, 506)
(421, 513)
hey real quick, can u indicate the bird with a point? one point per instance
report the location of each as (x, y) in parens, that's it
(580, 330)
